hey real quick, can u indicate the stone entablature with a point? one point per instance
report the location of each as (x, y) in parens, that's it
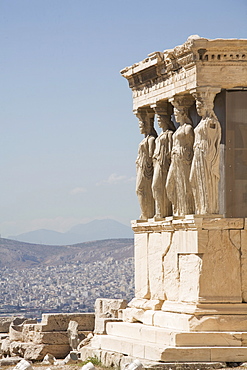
(198, 62)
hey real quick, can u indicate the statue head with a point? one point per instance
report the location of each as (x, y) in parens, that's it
(146, 122)
(181, 115)
(164, 122)
(205, 102)
(181, 108)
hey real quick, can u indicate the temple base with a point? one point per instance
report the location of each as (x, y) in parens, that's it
(191, 293)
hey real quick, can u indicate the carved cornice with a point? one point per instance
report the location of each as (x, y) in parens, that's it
(154, 71)
(189, 222)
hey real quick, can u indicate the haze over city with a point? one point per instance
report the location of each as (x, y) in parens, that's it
(68, 136)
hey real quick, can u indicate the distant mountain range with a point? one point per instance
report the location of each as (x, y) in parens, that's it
(94, 230)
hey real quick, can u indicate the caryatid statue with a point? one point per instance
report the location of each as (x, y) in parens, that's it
(162, 161)
(144, 163)
(205, 173)
(178, 186)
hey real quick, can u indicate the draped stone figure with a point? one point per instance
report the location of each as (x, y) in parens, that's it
(177, 185)
(205, 174)
(144, 164)
(161, 163)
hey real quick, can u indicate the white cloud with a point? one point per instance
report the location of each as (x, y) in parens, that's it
(115, 179)
(131, 179)
(78, 190)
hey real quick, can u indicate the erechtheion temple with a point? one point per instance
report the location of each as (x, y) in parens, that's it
(191, 237)
(190, 300)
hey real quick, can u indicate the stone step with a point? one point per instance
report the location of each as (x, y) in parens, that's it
(168, 337)
(154, 352)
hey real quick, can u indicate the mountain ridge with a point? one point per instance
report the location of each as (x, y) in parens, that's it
(93, 230)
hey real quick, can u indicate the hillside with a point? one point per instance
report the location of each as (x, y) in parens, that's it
(18, 255)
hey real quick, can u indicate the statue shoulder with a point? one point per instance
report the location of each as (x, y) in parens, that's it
(189, 129)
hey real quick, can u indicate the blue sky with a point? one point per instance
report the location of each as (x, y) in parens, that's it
(68, 136)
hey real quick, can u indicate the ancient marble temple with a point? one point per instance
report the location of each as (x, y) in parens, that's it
(191, 236)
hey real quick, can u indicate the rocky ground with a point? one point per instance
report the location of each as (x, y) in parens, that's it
(77, 366)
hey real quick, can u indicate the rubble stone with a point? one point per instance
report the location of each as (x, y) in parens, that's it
(73, 334)
(71, 358)
(23, 365)
(49, 359)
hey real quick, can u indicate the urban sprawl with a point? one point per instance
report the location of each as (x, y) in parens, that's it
(64, 288)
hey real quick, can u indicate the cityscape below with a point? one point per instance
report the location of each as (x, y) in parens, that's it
(70, 285)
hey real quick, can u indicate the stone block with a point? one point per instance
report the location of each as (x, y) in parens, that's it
(235, 238)
(71, 358)
(170, 267)
(142, 289)
(17, 348)
(5, 347)
(49, 359)
(23, 365)
(243, 237)
(218, 323)
(15, 333)
(222, 223)
(155, 266)
(5, 324)
(38, 352)
(183, 354)
(234, 354)
(9, 361)
(107, 308)
(244, 339)
(133, 315)
(170, 320)
(146, 304)
(95, 341)
(60, 321)
(28, 332)
(138, 350)
(100, 324)
(190, 266)
(147, 334)
(148, 317)
(139, 332)
(115, 344)
(86, 352)
(125, 330)
(88, 366)
(51, 338)
(206, 339)
(222, 256)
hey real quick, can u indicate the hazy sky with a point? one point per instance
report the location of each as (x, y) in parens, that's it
(68, 135)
